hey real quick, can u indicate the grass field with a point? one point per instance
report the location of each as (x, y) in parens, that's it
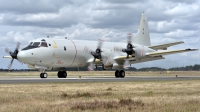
(157, 96)
(106, 73)
(167, 96)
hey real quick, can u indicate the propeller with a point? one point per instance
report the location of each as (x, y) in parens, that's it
(97, 54)
(13, 54)
(129, 51)
(129, 48)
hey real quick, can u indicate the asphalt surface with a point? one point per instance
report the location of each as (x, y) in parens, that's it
(51, 79)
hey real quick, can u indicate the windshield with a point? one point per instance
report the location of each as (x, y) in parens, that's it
(36, 44)
(43, 44)
(33, 45)
(30, 44)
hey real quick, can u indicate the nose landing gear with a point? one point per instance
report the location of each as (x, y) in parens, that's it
(43, 75)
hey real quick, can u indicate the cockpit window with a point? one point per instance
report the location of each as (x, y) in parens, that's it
(36, 44)
(43, 44)
(33, 45)
(30, 43)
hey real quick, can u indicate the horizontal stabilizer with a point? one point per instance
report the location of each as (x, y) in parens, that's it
(158, 53)
(165, 46)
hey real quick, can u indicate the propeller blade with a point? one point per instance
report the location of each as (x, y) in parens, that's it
(7, 51)
(129, 38)
(126, 64)
(10, 65)
(91, 67)
(86, 50)
(20, 62)
(100, 43)
(117, 49)
(106, 61)
(17, 47)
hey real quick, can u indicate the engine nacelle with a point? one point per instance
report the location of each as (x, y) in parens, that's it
(110, 66)
(114, 66)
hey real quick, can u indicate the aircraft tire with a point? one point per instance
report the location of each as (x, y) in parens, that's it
(122, 73)
(59, 74)
(64, 74)
(43, 75)
(117, 74)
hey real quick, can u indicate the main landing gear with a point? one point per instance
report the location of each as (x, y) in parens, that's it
(62, 74)
(120, 74)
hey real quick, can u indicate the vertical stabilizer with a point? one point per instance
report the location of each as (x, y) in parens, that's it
(142, 36)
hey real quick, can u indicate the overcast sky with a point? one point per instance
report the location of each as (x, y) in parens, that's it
(169, 21)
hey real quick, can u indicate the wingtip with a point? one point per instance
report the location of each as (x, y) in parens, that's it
(191, 49)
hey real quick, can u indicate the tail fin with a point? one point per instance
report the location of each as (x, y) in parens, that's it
(142, 37)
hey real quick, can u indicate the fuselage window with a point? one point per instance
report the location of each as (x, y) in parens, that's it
(64, 48)
(36, 44)
(43, 44)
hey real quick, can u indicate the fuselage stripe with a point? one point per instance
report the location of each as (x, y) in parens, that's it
(75, 54)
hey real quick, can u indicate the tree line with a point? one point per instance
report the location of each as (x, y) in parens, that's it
(195, 67)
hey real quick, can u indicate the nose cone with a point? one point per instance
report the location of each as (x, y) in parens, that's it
(22, 56)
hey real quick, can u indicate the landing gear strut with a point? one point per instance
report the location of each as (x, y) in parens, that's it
(62, 74)
(120, 74)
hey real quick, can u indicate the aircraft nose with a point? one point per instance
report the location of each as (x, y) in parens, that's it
(21, 56)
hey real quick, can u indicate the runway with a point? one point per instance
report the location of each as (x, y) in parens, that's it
(51, 79)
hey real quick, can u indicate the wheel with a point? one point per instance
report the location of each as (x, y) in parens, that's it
(117, 73)
(45, 75)
(41, 75)
(122, 73)
(64, 74)
(59, 74)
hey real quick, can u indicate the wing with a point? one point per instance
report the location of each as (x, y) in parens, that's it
(149, 56)
(165, 46)
(167, 52)
(120, 59)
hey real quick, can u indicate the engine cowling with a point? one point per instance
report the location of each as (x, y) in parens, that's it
(114, 66)
(110, 66)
